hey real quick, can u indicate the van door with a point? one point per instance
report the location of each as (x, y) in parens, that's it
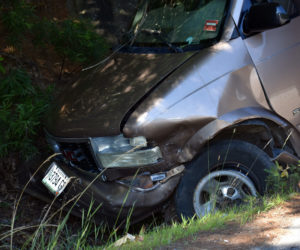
(276, 55)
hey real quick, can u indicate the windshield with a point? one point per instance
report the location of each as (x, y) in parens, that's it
(165, 22)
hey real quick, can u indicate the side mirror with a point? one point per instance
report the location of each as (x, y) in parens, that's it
(264, 16)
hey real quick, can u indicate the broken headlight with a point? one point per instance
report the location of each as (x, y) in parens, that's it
(118, 151)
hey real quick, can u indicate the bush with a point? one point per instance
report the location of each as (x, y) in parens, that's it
(2, 70)
(22, 104)
(21, 108)
(77, 41)
(283, 179)
(18, 18)
(72, 39)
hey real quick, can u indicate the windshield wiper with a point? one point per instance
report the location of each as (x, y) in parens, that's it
(161, 37)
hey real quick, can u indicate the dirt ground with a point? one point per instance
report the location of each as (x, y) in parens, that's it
(265, 232)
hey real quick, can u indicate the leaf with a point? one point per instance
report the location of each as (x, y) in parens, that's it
(2, 70)
(124, 239)
(284, 173)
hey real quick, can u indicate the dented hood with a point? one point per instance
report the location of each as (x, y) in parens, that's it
(96, 104)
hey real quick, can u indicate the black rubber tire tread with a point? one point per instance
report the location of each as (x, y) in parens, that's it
(226, 154)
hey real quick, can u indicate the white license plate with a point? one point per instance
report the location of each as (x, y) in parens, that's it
(55, 180)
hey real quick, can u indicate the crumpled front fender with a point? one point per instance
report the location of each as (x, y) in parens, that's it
(209, 131)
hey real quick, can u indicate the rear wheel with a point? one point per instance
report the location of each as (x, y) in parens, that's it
(222, 176)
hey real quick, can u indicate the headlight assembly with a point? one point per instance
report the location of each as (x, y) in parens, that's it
(118, 151)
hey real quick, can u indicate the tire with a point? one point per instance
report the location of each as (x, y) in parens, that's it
(223, 175)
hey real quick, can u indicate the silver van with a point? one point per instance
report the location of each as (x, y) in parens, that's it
(200, 99)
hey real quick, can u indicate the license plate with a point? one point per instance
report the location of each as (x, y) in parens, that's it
(55, 180)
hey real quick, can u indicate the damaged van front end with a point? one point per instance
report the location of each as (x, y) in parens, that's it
(137, 195)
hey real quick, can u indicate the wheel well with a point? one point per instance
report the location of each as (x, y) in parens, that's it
(265, 134)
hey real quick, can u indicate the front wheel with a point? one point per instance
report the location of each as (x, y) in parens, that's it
(222, 176)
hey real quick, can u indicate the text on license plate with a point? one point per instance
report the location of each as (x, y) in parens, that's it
(55, 180)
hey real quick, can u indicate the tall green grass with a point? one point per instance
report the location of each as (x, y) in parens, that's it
(166, 234)
(22, 105)
(58, 233)
(55, 230)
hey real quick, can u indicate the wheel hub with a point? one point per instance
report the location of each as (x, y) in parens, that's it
(221, 189)
(229, 192)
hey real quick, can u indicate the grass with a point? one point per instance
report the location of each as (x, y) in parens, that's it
(22, 104)
(55, 230)
(166, 234)
(89, 235)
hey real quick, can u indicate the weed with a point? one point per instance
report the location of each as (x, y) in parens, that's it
(4, 204)
(77, 41)
(21, 108)
(18, 17)
(22, 104)
(2, 69)
(283, 179)
(164, 235)
(61, 235)
(71, 38)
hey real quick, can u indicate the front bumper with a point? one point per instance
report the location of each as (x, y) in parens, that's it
(115, 199)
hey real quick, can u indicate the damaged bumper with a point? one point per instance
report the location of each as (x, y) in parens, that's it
(138, 195)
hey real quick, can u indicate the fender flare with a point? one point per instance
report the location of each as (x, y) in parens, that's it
(210, 130)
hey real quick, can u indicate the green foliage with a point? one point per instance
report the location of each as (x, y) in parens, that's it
(21, 108)
(77, 41)
(165, 234)
(72, 39)
(22, 104)
(283, 179)
(18, 17)
(42, 31)
(2, 69)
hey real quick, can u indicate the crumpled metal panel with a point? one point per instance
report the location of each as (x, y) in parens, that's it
(214, 83)
(192, 147)
(111, 196)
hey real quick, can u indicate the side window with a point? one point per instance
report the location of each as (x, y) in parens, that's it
(291, 6)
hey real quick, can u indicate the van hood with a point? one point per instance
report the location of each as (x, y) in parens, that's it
(96, 104)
